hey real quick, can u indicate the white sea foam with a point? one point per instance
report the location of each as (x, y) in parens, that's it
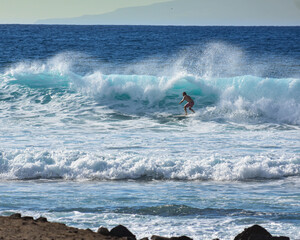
(30, 164)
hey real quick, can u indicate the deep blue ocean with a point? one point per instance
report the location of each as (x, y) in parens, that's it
(91, 133)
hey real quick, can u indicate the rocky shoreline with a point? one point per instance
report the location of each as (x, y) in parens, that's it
(27, 228)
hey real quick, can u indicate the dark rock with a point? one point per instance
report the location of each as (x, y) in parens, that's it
(121, 231)
(181, 238)
(104, 231)
(145, 238)
(255, 232)
(15, 215)
(155, 237)
(89, 230)
(41, 219)
(27, 218)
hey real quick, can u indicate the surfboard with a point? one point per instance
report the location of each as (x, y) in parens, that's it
(180, 116)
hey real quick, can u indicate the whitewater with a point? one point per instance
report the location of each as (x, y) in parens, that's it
(137, 113)
(93, 140)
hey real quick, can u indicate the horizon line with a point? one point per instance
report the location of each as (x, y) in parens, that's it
(150, 25)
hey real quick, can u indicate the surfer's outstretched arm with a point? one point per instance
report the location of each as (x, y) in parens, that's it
(181, 100)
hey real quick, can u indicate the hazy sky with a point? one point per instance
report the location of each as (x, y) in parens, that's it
(28, 11)
(156, 12)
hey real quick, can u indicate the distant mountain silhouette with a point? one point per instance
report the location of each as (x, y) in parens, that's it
(197, 12)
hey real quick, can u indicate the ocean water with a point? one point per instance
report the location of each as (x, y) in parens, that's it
(90, 133)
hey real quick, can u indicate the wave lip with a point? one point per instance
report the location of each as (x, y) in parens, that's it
(240, 98)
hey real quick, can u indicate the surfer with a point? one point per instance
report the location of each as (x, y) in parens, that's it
(190, 103)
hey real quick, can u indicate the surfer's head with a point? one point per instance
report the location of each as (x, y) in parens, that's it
(184, 93)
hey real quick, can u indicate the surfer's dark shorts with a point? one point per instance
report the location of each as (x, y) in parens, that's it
(189, 105)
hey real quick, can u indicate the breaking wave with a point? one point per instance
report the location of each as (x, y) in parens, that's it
(237, 98)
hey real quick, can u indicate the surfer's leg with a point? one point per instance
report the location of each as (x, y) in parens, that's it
(192, 110)
(185, 107)
(185, 110)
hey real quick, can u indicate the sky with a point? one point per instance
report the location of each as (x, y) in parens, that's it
(151, 12)
(29, 11)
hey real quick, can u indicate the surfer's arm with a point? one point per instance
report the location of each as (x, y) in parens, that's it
(181, 101)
